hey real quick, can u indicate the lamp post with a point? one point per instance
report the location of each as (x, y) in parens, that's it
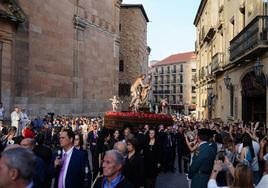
(258, 68)
(227, 81)
(210, 98)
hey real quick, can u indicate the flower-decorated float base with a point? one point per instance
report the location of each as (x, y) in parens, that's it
(135, 120)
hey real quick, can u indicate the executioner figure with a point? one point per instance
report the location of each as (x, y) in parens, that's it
(164, 105)
(139, 93)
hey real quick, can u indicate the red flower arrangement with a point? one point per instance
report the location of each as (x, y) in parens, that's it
(135, 119)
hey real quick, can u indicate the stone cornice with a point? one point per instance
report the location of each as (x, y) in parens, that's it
(83, 24)
(13, 11)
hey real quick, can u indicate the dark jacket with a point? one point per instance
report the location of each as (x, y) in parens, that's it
(134, 170)
(76, 172)
(202, 166)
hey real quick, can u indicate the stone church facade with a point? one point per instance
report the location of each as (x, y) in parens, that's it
(59, 56)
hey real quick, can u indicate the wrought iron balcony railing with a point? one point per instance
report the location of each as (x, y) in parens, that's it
(251, 41)
(217, 62)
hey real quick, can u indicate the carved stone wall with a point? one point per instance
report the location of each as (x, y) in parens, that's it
(63, 58)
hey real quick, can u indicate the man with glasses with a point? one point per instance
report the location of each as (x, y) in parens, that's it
(70, 167)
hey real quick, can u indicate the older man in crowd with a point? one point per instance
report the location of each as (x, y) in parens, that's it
(112, 171)
(40, 167)
(17, 168)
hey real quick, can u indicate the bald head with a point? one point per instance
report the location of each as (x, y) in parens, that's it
(27, 143)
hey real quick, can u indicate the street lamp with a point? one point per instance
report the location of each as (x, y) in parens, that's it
(227, 81)
(209, 89)
(258, 67)
(210, 100)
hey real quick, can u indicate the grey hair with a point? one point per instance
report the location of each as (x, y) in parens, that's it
(119, 157)
(21, 159)
(121, 146)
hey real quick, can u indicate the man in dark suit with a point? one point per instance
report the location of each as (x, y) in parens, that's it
(169, 150)
(92, 139)
(70, 168)
(203, 161)
(183, 150)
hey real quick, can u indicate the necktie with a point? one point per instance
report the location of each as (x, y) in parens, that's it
(60, 182)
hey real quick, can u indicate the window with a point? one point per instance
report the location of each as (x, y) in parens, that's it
(194, 70)
(121, 66)
(181, 98)
(124, 89)
(193, 89)
(181, 89)
(181, 79)
(174, 78)
(173, 99)
(181, 67)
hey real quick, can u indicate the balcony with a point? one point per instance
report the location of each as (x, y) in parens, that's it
(251, 41)
(217, 63)
(209, 34)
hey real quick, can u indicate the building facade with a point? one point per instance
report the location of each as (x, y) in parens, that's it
(59, 56)
(174, 77)
(134, 51)
(232, 67)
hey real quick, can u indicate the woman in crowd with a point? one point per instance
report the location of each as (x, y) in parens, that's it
(8, 139)
(115, 137)
(242, 175)
(151, 160)
(134, 169)
(249, 156)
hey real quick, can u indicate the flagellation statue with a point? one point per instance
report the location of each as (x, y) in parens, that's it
(139, 93)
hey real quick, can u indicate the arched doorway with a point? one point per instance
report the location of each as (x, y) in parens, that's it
(253, 97)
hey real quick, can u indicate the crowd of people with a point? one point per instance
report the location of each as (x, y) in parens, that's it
(68, 152)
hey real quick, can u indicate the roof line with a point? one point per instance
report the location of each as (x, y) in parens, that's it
(199, 11)
(137, 6)
(167, 61)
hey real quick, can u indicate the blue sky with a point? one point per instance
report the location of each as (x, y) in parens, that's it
(171, 28)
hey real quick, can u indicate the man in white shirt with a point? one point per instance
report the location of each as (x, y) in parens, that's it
(15, 118)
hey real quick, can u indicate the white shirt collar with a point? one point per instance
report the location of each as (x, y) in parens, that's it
(68, 152)
(202, 143)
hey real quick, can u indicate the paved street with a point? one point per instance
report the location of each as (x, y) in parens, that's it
(171, 180)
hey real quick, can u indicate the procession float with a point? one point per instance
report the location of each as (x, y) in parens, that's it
(139, 113)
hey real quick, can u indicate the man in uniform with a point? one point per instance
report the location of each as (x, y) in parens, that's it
(203, 160)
